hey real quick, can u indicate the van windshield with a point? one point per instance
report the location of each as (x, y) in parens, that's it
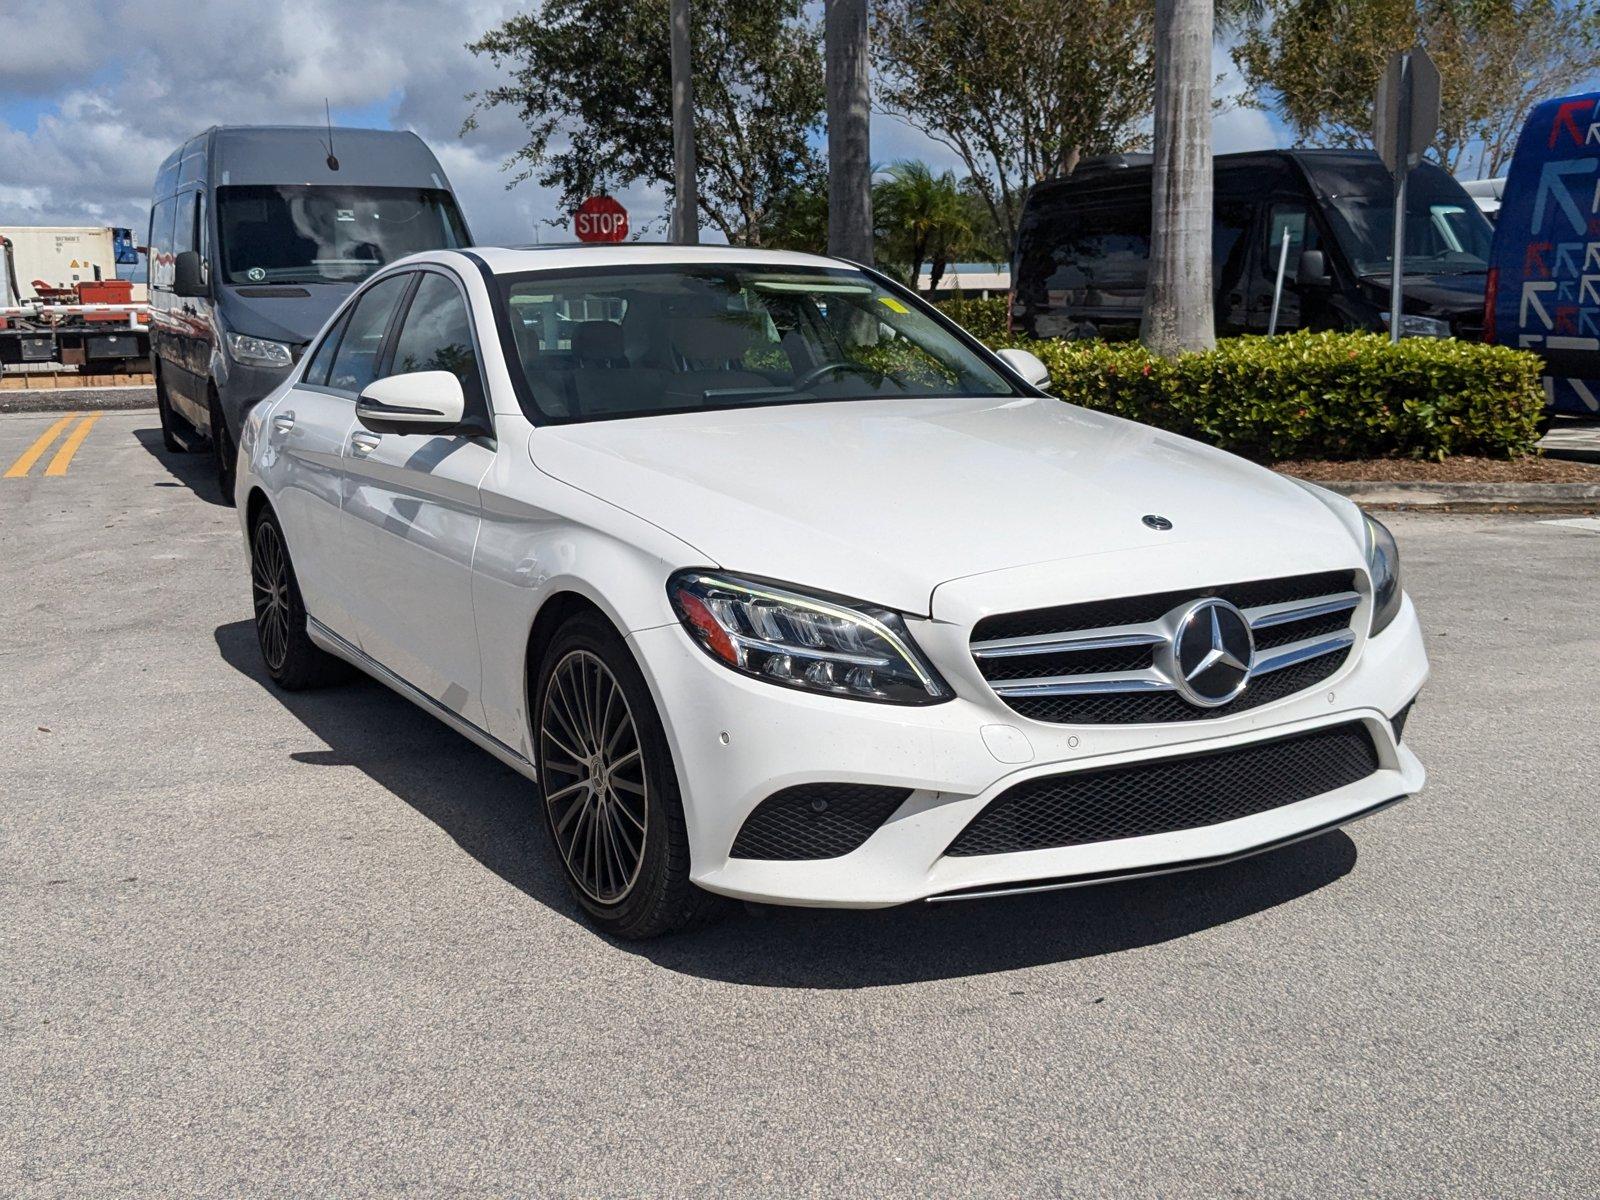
(285, 233)
(1446, 234)
(635, 342)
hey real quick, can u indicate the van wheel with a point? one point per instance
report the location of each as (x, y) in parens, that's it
(173, 427)
(292, 659)
(223, 451)
(609, 791)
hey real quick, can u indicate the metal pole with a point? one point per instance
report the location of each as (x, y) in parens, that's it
(1277, 290)
(685, 191)
(849, 117)
(1401, 172)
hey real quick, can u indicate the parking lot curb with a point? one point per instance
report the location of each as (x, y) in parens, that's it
(77, 399)
(1540, 497)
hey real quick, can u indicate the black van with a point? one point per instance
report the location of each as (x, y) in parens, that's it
(257, 233)
(1083, 247)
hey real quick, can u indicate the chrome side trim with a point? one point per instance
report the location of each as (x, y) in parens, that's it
(1263, 616)
(1083, 685)
(1218, 860)
(1110, 638)
(1280, 657)
(358, 658)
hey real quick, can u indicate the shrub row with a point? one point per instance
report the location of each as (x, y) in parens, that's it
(1303, 395)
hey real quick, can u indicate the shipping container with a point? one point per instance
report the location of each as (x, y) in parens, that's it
(63, 256)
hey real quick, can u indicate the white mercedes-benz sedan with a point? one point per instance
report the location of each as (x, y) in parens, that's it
(777, 585)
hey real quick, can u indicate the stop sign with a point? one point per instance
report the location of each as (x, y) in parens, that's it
(600, 219)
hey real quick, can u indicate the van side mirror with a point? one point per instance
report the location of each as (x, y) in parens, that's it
(1026, 364)
(417, 402)
(188, 274)
(1313, 270)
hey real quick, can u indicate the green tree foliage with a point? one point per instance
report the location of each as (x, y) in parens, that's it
(1317, 62)
(1020, 89)
(591, 80)
(922, 219)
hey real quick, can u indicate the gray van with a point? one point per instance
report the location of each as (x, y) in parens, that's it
(257, 234)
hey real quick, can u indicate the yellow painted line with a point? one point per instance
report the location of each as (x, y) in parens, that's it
(36, 451)
(58, 464)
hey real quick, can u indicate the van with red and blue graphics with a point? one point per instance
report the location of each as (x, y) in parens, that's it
(1544, 269)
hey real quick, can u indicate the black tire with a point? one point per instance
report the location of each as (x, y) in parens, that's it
(293, 661)
(173, 427)
(223, 452)
(659, 898)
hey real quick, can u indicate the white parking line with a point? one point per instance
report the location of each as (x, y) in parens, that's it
(1588, 524)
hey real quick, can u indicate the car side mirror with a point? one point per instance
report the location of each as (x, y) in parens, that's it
(188, 274)
(1312, 271)
(418, 402)
(1026, 364)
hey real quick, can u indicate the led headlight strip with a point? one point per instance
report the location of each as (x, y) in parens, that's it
(813, 643)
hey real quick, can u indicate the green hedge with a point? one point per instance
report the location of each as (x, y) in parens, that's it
(983, 318)
(1308, 395)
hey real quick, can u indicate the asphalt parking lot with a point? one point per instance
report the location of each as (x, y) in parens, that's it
(254, 944)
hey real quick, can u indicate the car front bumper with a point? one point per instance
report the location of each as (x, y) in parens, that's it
(737, 740)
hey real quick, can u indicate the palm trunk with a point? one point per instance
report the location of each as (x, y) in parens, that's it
(849, 147)
(1178, 303)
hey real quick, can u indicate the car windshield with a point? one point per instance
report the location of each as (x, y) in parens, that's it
(634, 342)
(299, 234)
(1446, 234)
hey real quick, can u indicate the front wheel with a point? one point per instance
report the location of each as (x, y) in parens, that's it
(173, 427)
(223, 451)
(610, 794)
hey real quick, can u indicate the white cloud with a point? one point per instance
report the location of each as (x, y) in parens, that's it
(86, 131)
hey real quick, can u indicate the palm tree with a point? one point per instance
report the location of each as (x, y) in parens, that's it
(1178, 304)
(924, 218)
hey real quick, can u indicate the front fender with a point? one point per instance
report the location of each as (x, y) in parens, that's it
(541, 538)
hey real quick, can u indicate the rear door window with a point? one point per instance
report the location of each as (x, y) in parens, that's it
(355, 363)
(317, 370)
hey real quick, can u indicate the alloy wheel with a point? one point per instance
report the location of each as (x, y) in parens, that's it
(269, 587)
(591, 770)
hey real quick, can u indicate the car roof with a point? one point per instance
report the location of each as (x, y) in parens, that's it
(503, 260)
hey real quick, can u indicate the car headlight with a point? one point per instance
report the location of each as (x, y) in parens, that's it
(1412, 325)
(1383, 563)
(815, 643)
(259, 352)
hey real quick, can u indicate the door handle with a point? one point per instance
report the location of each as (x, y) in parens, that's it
(283, 422)
(363, 444)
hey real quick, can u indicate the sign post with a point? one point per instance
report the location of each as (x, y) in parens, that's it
(1405, 120)
(600, 219)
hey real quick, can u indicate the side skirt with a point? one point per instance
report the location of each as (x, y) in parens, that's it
(334, 644)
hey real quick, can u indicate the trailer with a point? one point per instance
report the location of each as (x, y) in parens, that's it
(61, 300)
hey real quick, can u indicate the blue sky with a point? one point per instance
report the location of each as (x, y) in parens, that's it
(81, 137)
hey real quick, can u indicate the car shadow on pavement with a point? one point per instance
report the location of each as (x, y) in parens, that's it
(194, 471)
(489, 811)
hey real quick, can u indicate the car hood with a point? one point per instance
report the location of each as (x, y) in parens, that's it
(884, 500)
(1433, 295)
(283, 313)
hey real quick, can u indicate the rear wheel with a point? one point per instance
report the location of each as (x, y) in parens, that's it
(610, 794)
(223, 450)
(292, 659)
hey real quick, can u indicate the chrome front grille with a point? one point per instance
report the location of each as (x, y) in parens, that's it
(1106, 662)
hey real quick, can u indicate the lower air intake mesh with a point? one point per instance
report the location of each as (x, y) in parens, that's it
(815, 820)
(1140, 799)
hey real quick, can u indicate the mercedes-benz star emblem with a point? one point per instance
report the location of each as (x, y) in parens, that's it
(1212, 649)
(1156, 522)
